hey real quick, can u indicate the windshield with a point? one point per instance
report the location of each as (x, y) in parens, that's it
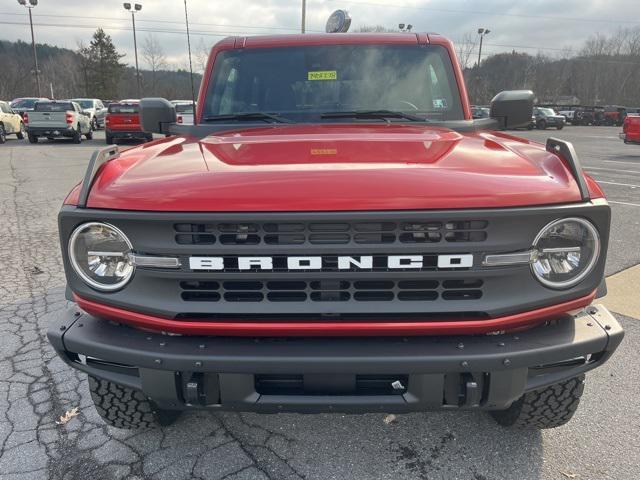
(85, 103)
(302, 83)
(547, 111)
(24, 103)
(53, 107)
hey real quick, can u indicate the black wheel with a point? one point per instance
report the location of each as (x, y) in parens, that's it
(531, 126)
(560, 126)
(3, 134)
(32, 138)
(109, 139)
(89, 135)
(549, 407)
(542, 125)
(148, 138)
(77, 137)
(22, 132)
(122, 407)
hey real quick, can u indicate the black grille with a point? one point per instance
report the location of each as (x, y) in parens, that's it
(361, 233)
(330, 290)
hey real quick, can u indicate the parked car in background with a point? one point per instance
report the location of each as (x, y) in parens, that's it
(480, 112)
(547, 117)
(10, 123)
(57, 118)
(568, 115)
(95, 108)
(123, 122)
(614, 115)
(26, 104)
(184, 111)
(631, 129)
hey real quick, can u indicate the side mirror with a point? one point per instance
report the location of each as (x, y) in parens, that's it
(157, 115)
(513, 108)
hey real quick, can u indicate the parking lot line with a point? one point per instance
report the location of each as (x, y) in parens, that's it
(626, 163)
(611, 169)
(624, 203)
(616, 183)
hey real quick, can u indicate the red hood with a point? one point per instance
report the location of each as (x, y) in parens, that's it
(333, 167)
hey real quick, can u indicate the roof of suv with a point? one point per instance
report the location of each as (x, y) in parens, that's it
(261, 41)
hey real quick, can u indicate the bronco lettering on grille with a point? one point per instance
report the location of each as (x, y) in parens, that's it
(320, 263)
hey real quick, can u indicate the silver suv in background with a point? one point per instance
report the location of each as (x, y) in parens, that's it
(96, 110)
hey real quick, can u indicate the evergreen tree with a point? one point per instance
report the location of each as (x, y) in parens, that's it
(101, 66)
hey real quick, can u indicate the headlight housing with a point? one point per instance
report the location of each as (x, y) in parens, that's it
(565, 252)
(101, 255)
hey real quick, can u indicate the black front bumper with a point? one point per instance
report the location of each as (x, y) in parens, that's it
(336, 374)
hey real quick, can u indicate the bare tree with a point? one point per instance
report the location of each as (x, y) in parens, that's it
(465, 48)
(202, 56)
(153, 55)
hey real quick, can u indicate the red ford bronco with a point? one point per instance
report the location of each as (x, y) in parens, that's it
(631, 129)
(336, 234)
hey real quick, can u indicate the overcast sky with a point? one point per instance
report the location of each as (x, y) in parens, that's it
(532, 26)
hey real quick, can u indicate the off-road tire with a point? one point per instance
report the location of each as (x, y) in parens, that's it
(21, 132)
(32, 138)
(3, 134)
(109, 140)
(77, 137)
(123, 407)
(542, 125)
(549, 407)
(89, 135)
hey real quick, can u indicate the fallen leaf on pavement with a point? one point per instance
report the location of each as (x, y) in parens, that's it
(68, 415)
(390, 419)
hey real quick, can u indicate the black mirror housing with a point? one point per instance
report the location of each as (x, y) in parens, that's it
(513, 108)
(157, 115)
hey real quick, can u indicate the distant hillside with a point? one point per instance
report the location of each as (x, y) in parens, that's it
(60, 70)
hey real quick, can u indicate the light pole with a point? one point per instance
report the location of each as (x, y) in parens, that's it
(30, 5)
(304, 16)
(482, 32)
(136, 8)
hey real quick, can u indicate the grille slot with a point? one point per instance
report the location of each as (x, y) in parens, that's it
(331, 290)
(321, 233)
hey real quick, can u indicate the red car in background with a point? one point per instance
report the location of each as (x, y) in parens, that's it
(123, 122)
(631, 129)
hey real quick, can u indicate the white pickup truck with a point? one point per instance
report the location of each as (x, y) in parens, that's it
(54, 119)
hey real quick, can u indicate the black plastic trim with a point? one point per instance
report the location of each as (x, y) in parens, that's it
(566, 150)
(98, 158)
(512, 361)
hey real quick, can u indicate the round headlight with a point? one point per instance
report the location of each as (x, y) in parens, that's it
(565, 252)
(100, 255)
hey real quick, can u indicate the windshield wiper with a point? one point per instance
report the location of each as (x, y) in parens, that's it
(382, 114)
(248, 116)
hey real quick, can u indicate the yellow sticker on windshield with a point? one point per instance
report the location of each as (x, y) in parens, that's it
(323, 75)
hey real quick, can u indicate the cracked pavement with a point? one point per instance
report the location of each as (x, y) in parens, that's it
(36, 387)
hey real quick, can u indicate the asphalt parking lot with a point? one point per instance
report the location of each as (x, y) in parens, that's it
(601, 442)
